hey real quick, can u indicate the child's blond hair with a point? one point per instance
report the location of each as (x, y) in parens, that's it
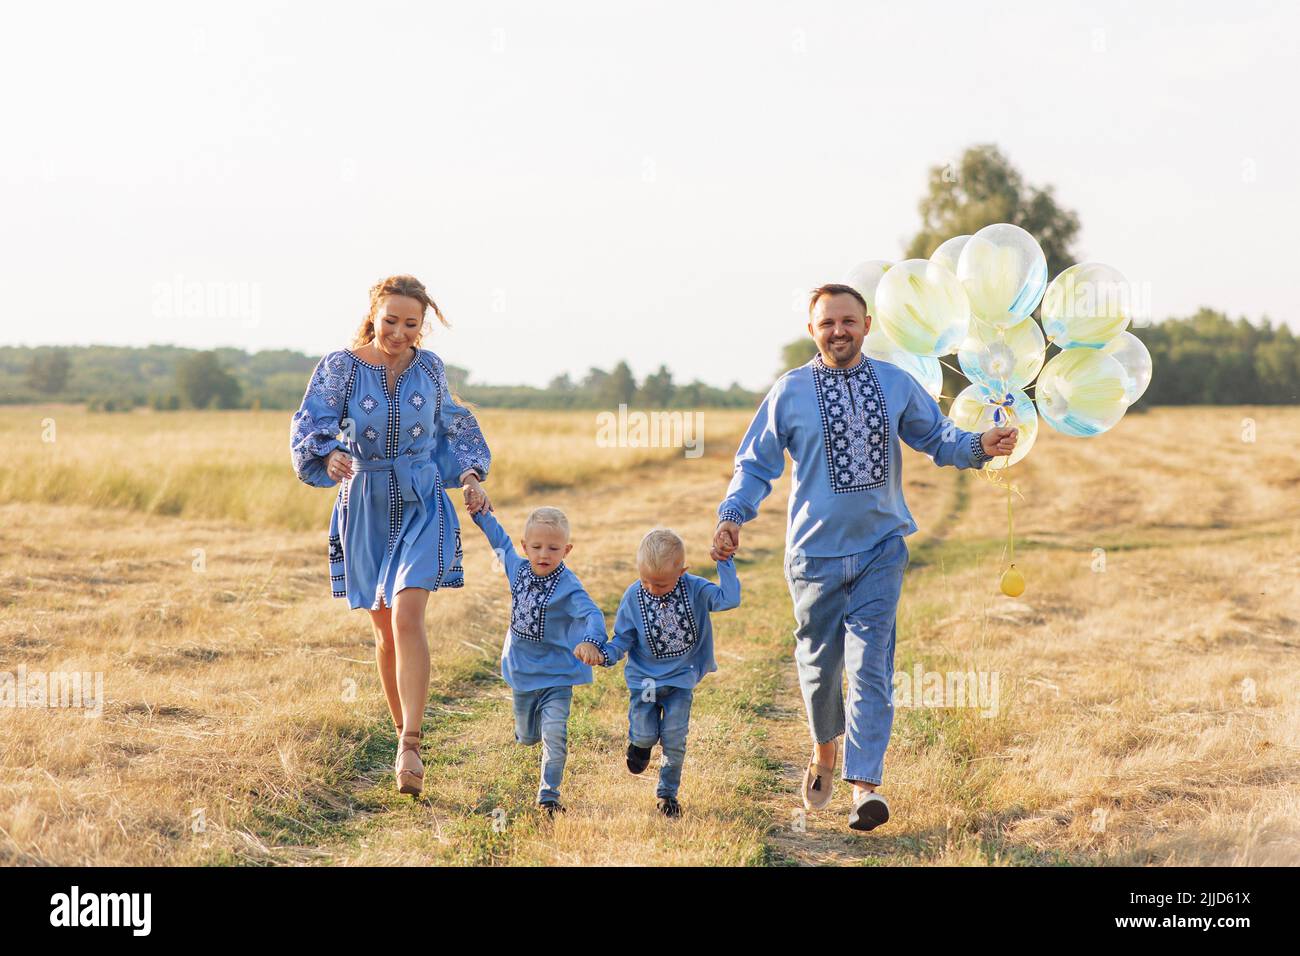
(661, 550)
(547, 517)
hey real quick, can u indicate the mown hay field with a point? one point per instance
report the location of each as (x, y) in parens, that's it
(1147, 680)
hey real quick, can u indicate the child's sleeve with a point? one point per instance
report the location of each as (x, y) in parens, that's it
(724, 595)
(500, 542)
(923, 426)
(588, 618)
(625, 632)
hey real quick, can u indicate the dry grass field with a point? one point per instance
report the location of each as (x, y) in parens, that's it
(1148, 706)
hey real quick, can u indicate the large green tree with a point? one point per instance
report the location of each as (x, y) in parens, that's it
(798, 352)
(984, 188)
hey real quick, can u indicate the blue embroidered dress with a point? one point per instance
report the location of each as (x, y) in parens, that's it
(550, 615)
(841, 428)
(393, 525)
(668, 638)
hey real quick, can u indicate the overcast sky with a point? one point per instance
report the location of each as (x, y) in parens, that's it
(579, 183)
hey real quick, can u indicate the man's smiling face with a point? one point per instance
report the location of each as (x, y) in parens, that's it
(838, 326)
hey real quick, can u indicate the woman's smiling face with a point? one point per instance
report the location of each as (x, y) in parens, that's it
(398, 321)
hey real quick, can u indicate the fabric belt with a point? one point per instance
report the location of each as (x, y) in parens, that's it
(409, 469)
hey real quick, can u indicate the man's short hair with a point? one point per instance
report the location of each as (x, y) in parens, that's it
(835, 288)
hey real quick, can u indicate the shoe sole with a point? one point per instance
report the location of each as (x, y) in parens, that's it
(868, 816)
(634, 769)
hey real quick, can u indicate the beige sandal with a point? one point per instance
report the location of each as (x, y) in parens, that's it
(410, 781)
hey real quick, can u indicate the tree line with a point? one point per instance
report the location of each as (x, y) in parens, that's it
(1205, 358)
(166, 378)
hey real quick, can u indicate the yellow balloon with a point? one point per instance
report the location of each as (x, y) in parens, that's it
(1002, 359)
(975, 409)
(949, 252)
(865, 277)
(922, 307)
(1004, 272)
(1013, 582)
(1081, 392)
(1132, 355)
(1086, 306)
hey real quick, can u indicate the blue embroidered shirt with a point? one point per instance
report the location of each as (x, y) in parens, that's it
(549, 616)
(668, 639)
(841, 428)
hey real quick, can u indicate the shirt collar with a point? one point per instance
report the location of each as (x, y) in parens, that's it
(823, 367)
(661, 598)
(528, 565)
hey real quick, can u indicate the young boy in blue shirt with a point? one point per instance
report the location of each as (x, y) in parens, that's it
(550, 614)
(663, 627)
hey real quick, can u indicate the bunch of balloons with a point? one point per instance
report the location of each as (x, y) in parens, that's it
(975, 296)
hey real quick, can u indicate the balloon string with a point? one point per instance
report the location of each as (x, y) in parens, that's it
(1011, 534)
(998, 477)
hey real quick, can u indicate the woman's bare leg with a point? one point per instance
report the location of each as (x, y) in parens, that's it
(381, 623)
(412, 659)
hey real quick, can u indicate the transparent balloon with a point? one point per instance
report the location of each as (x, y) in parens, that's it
(1081, 392)
(923, 308)
(949, 252)
(1002, 359)
(865, 277)
(924, 368)
(1004, 272)
(1132, 355)
(976, 409)
(1086, 306)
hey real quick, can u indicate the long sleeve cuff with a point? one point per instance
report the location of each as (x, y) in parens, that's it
(600, 647)
(730, 514)
(977, 453)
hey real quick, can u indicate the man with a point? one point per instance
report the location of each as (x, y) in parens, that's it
(840, 417)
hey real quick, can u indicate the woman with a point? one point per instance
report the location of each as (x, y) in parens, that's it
(381, 419)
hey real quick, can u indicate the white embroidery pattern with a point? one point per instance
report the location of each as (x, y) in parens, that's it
(668, 620)
(530, 595)
(855, 425)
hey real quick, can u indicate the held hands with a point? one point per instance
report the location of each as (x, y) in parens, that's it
(338, 465)
(726, 540)
(999, 441)
(588, 653)
(476, 499)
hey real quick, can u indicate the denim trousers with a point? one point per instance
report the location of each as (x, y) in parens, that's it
(543, 715)
(662, 718)
(845, 609)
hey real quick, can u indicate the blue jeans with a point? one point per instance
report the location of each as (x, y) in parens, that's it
(663, 718)
(845, 610)
(543, 715)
